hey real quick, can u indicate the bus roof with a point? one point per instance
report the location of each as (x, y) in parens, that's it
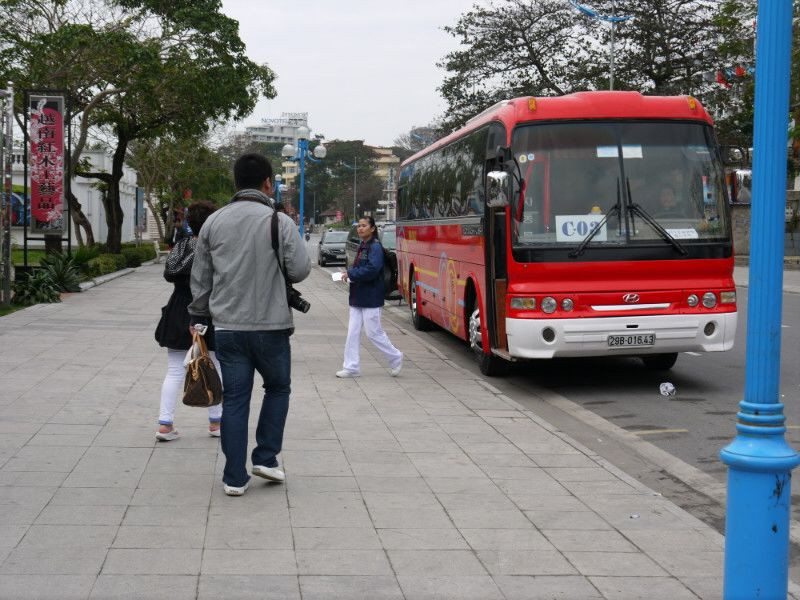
(578, 106)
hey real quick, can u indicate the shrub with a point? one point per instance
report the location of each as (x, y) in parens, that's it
(147, 252)
(105, 263)
(36, 287)
(63, 271)
(86, 253)
(132, 256)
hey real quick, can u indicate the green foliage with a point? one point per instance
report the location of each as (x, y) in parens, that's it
(63, 271)
(104, 264)
(36, 287)
(132, 257)
(84, 254)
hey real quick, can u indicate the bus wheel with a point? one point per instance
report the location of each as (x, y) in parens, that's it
(489, 364)
(420, 322)
(660, 362)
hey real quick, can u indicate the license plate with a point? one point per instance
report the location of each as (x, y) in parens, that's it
(631, 340)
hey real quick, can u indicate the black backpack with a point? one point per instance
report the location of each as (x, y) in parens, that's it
(389, 271)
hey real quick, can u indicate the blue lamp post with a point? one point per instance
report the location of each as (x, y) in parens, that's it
(609, 19)
(278, 180)
(759, 460)
(299, 155)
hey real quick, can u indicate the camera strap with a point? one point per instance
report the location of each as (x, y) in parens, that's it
(275, 244)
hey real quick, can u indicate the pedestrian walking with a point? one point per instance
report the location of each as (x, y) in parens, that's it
(172, 331)
(366, 300)
(237, 281)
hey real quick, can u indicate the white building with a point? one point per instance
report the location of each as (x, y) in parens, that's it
(90, 197)
(283, 130)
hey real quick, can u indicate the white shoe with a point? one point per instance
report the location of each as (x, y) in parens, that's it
(172, 434)
(231, 490)
(396, 371)
(344, 373)
(271, 473)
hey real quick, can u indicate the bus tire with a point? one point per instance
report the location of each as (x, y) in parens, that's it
(489, 364)
(660, 362)
(420, 323)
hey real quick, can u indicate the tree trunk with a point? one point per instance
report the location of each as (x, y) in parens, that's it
(80, 220)
(111, 200)
(156, 216)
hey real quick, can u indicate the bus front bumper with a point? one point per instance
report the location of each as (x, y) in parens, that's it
(530, 338)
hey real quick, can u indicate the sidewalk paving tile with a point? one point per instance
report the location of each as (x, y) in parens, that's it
(248, 587)
(350, 588)
(642, 588)
(38, 587)
(152, 561)
(546, 587)
(152, 587)
(466, 587)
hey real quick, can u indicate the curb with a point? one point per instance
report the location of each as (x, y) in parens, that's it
(87, 285)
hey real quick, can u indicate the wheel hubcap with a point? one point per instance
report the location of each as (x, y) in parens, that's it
(475, 341)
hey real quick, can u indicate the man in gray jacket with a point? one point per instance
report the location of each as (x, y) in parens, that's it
(237, 282)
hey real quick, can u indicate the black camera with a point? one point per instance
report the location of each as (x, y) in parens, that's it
(296, 300)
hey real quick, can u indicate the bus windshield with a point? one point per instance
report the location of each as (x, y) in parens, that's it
(652, 182)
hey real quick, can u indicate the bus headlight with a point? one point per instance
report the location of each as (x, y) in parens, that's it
(549, 305)
(567, 304)
(523, 303)
(709, 300)
(692, 300)
(727, 298)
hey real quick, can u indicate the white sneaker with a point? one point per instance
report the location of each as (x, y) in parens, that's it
(172, 434)
(396, 371)
(231, 490)
(271, 473)
(344, 373)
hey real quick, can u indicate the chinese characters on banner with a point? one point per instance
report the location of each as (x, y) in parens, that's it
(46, 160)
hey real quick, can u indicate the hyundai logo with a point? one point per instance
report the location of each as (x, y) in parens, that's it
(631, 298)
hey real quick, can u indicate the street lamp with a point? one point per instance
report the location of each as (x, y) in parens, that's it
(299, 155)
(278, 180)
(354, 169)
(609, 19)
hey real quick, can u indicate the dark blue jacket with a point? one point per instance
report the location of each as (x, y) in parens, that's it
(366, 276)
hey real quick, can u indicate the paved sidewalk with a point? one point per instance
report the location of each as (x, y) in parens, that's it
(429, 485)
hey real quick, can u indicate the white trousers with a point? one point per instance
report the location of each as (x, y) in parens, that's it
(173, 387)
(371, 319)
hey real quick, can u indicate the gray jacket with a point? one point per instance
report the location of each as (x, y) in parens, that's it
(235, 277)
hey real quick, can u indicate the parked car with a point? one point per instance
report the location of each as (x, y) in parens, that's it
(331, 247)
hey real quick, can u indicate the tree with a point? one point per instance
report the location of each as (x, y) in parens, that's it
(545, 48)
(332, 180)
(174, 67)
(513, 48)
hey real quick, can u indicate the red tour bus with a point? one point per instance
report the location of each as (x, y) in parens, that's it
(593, 224)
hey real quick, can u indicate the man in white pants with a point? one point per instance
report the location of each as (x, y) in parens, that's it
(366, 300)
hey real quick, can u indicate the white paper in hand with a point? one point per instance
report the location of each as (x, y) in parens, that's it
(337, 276)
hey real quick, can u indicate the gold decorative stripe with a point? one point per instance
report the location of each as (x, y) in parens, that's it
(426, 272)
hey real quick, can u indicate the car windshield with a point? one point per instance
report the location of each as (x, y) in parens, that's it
(575, 176)
(388, 239)
(335, 237)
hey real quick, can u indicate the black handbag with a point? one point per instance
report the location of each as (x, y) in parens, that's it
(202, 385)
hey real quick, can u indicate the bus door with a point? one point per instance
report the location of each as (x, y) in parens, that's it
(495, 219)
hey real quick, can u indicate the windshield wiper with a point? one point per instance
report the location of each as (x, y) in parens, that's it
(581, 248)
(635, 208)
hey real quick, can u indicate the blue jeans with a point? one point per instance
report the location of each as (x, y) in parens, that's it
(240, 353)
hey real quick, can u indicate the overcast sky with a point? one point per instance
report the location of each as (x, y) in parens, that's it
(362, 69)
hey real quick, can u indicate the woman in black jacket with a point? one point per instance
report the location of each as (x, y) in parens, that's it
(172, 332)
(366, 299)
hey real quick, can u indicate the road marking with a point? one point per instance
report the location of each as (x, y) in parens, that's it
(653, 431)
(785, 326)
(693, 353)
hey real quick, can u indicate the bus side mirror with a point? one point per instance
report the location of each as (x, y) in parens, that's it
(733, 155)
(496, 188)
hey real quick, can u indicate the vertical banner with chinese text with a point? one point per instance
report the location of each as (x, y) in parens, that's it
(46, 160)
